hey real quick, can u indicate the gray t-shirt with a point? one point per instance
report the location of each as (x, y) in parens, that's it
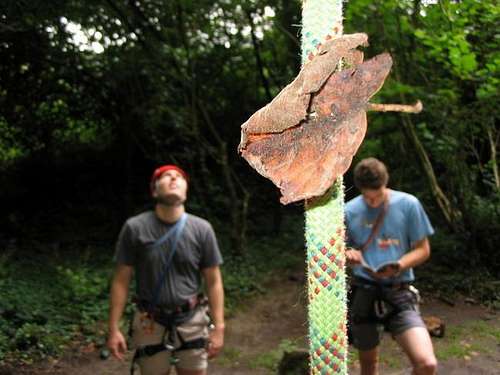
(197, 249)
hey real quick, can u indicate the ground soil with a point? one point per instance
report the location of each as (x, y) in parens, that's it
(277, 319)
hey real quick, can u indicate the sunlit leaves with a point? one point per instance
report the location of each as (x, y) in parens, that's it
(10, 149)
(452, 50)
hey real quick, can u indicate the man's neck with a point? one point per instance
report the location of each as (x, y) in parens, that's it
(169, 214)
(387, 197)
(387, 194)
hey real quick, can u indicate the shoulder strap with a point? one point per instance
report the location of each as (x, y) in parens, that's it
(160, 241)
(177, 231)
(376, 226)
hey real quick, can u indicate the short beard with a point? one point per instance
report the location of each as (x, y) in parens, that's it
(170, 200)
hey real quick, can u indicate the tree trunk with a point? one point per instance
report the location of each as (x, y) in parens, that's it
(238, 210)
(258, 59)
(286, 24)
(451, 214)
(494, 163)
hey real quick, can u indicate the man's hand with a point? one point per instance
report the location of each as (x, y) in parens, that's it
(119, 291)
(353, 256)
(117, 344)
(215, 342)
(215, 291)
(388, 271)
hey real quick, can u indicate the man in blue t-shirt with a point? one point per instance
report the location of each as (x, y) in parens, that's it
(387, 234)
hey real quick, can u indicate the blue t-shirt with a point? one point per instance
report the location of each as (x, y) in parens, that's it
(404, 224)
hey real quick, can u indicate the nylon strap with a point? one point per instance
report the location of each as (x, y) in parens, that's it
(177, 231)
(376, 226)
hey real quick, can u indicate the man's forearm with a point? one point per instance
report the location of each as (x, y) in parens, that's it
(216, 302)
(418, 255)
(119, 294)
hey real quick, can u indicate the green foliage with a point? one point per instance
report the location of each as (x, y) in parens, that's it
(10, 149)
(163, 84)
(172, 83)
(246, 275)
(445, 54)
(50, 299)
(240, 277)
(44, 305)
(485, 225)
(84, 286)
(32, 339)
(452, 50)
(455, 270)
(72, 131)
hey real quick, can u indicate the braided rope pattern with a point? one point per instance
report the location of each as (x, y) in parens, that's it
(326, 283)
(322, 20)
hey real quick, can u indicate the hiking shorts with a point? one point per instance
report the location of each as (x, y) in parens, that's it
(152, 333)
(367, 328)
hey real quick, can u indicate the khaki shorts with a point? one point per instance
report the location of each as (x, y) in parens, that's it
(143, 333)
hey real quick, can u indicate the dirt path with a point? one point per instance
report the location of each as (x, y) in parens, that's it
(258, 333)
(471, 345)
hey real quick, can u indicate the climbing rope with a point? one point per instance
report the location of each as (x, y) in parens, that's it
(324, 226)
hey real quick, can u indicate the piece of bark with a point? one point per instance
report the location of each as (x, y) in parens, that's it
(304, 156)
(290, 106)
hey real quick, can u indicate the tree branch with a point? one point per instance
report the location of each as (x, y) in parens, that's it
(405, 108)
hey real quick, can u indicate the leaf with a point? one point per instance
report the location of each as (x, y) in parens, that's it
(469, 63)
(305, 154)
(289, 107)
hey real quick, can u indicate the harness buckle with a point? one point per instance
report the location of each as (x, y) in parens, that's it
(380, 309)
(169, 347)
(173, 360)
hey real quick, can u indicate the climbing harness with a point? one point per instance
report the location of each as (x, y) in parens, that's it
(171, 335)
(389, 300)
(151, 312)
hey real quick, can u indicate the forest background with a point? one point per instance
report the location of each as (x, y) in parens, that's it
(95, 94)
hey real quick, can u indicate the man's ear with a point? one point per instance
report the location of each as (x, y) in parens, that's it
(154, 189)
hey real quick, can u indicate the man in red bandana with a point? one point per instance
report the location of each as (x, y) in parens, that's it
(169, 252)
